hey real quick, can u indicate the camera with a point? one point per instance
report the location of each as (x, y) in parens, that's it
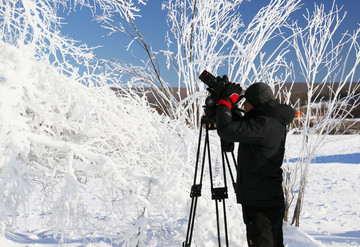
(216, 84)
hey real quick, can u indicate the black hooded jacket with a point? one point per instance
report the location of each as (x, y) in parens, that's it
(261, 133)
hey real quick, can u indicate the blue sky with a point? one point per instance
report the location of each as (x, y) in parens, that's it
(80, 26)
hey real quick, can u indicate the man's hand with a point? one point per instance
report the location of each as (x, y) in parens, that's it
(230, 94)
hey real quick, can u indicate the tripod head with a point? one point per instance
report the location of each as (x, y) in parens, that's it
(209, 117)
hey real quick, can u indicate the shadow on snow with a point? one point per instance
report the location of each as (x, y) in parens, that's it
(352, 237)
(339, 158)
(44, 239)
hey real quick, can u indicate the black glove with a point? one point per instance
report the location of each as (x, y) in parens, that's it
(221, 82)
(230, 94)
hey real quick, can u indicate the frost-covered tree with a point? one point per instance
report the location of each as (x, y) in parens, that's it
(211, 35)
(326, 64)
(200, 32)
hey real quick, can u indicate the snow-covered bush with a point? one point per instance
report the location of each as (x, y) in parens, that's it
(95, 163)
(66, 145)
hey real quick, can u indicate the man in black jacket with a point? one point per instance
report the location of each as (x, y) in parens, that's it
(261, 133)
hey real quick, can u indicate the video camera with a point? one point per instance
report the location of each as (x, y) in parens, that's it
(215, 86)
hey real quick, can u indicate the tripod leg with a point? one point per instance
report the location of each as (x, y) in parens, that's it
(191, 222)
(196, 188)
(230, 171)
(218, 221)
(225, 224)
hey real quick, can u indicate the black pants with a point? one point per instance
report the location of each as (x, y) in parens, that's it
(264, 226)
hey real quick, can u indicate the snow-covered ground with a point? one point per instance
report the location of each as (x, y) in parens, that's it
(331, 212)
(330, 216)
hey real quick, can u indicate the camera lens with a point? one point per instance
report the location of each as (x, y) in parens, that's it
(208, 79)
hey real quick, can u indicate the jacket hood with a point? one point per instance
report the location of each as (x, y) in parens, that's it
(284, 113)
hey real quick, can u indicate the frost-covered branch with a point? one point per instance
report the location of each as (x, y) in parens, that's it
(36, 23)
(261, 30)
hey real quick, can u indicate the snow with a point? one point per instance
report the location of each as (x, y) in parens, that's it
(82, 167)
(332, 209)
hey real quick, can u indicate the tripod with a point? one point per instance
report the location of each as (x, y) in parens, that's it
(219, 194)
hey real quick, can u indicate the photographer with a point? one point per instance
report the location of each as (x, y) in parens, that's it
(261, 133)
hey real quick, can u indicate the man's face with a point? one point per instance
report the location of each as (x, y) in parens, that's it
(247, 106)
